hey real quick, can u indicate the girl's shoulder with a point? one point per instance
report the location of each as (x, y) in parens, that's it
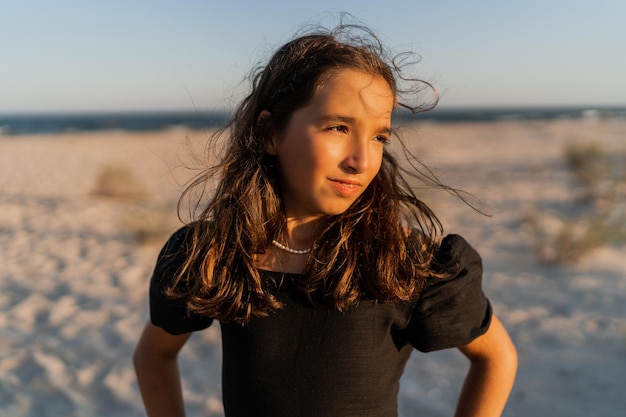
(167, 311)
(183, 237)
(175, 242)
(452, 310)
(452, 252)
(182, 234)
(455, 250)
(178, 246)
(455, 264)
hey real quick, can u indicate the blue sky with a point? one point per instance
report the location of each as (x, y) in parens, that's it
(114, 55)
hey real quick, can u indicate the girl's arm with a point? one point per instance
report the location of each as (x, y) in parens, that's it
(156, 365)
(493, 364)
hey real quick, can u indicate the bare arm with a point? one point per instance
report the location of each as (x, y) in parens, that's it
(156, 365)
(493, 364)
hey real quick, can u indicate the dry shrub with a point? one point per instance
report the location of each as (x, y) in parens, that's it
(587, 162)
(564, 240)
(142, 220)
(599, 213)
(147, 224)
(119, 181)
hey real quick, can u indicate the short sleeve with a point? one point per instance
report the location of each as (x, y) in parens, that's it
(165, 312)
(452, 311)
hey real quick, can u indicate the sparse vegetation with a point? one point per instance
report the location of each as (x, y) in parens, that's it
(147, 224)
(119, 181)
(586, 161)
(141, 219)
(597, 213)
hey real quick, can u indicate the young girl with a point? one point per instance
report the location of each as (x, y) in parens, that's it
(320, 264)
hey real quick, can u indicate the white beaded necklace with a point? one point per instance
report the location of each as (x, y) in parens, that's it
(288, 249)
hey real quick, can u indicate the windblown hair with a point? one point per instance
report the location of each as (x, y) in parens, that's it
(365, 253)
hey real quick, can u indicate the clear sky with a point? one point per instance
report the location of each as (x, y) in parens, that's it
(97, 55)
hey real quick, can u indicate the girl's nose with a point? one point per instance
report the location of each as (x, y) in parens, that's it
(357, 156)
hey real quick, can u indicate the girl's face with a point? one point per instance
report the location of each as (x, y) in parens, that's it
(332, 148)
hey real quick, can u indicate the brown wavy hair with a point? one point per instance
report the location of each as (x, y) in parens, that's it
(363, 253)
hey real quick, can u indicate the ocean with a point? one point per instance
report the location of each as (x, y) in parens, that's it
(28, 124)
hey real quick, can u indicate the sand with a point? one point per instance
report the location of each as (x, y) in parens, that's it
(75, 265)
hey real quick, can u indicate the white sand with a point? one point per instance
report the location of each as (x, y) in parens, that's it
(73, 279)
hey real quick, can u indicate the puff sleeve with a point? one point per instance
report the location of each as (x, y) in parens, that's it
(171, 314)
(452, 311)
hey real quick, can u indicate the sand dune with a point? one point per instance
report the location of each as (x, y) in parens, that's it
(74, 272)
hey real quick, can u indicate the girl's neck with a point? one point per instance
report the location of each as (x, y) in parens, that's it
(300, 235)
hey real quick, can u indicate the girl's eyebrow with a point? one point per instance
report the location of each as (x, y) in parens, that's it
(328, 118)
(337, 118)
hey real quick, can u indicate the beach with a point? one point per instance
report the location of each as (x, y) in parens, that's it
(76, 258)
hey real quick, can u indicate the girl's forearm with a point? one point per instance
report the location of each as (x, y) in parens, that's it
(493, 365)
(160, 387)
(486, 390)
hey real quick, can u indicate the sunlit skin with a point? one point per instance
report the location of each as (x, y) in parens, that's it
(332, 149)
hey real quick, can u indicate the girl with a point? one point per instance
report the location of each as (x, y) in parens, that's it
(322, 267)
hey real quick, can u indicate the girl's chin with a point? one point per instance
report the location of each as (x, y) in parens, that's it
(329, 207)
(318, 214)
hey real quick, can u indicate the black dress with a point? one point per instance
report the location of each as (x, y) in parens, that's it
(319, 362)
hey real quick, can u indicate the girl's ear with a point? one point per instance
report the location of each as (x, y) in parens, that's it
(270, 146)
(263, 116)
(262, 120)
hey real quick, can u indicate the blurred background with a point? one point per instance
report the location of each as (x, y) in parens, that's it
(105, 107)
(89, 56)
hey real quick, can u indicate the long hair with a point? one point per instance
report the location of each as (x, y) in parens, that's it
(367, 252)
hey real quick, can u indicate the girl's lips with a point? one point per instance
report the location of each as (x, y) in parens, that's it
(346, 188)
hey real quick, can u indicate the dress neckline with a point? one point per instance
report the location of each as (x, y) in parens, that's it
(267, 271)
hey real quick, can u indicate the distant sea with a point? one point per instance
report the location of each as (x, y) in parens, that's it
(27, 124)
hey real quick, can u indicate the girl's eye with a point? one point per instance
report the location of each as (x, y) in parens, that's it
(381, 139)
(341, 129)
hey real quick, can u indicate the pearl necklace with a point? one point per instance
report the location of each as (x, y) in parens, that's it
(288, 249)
